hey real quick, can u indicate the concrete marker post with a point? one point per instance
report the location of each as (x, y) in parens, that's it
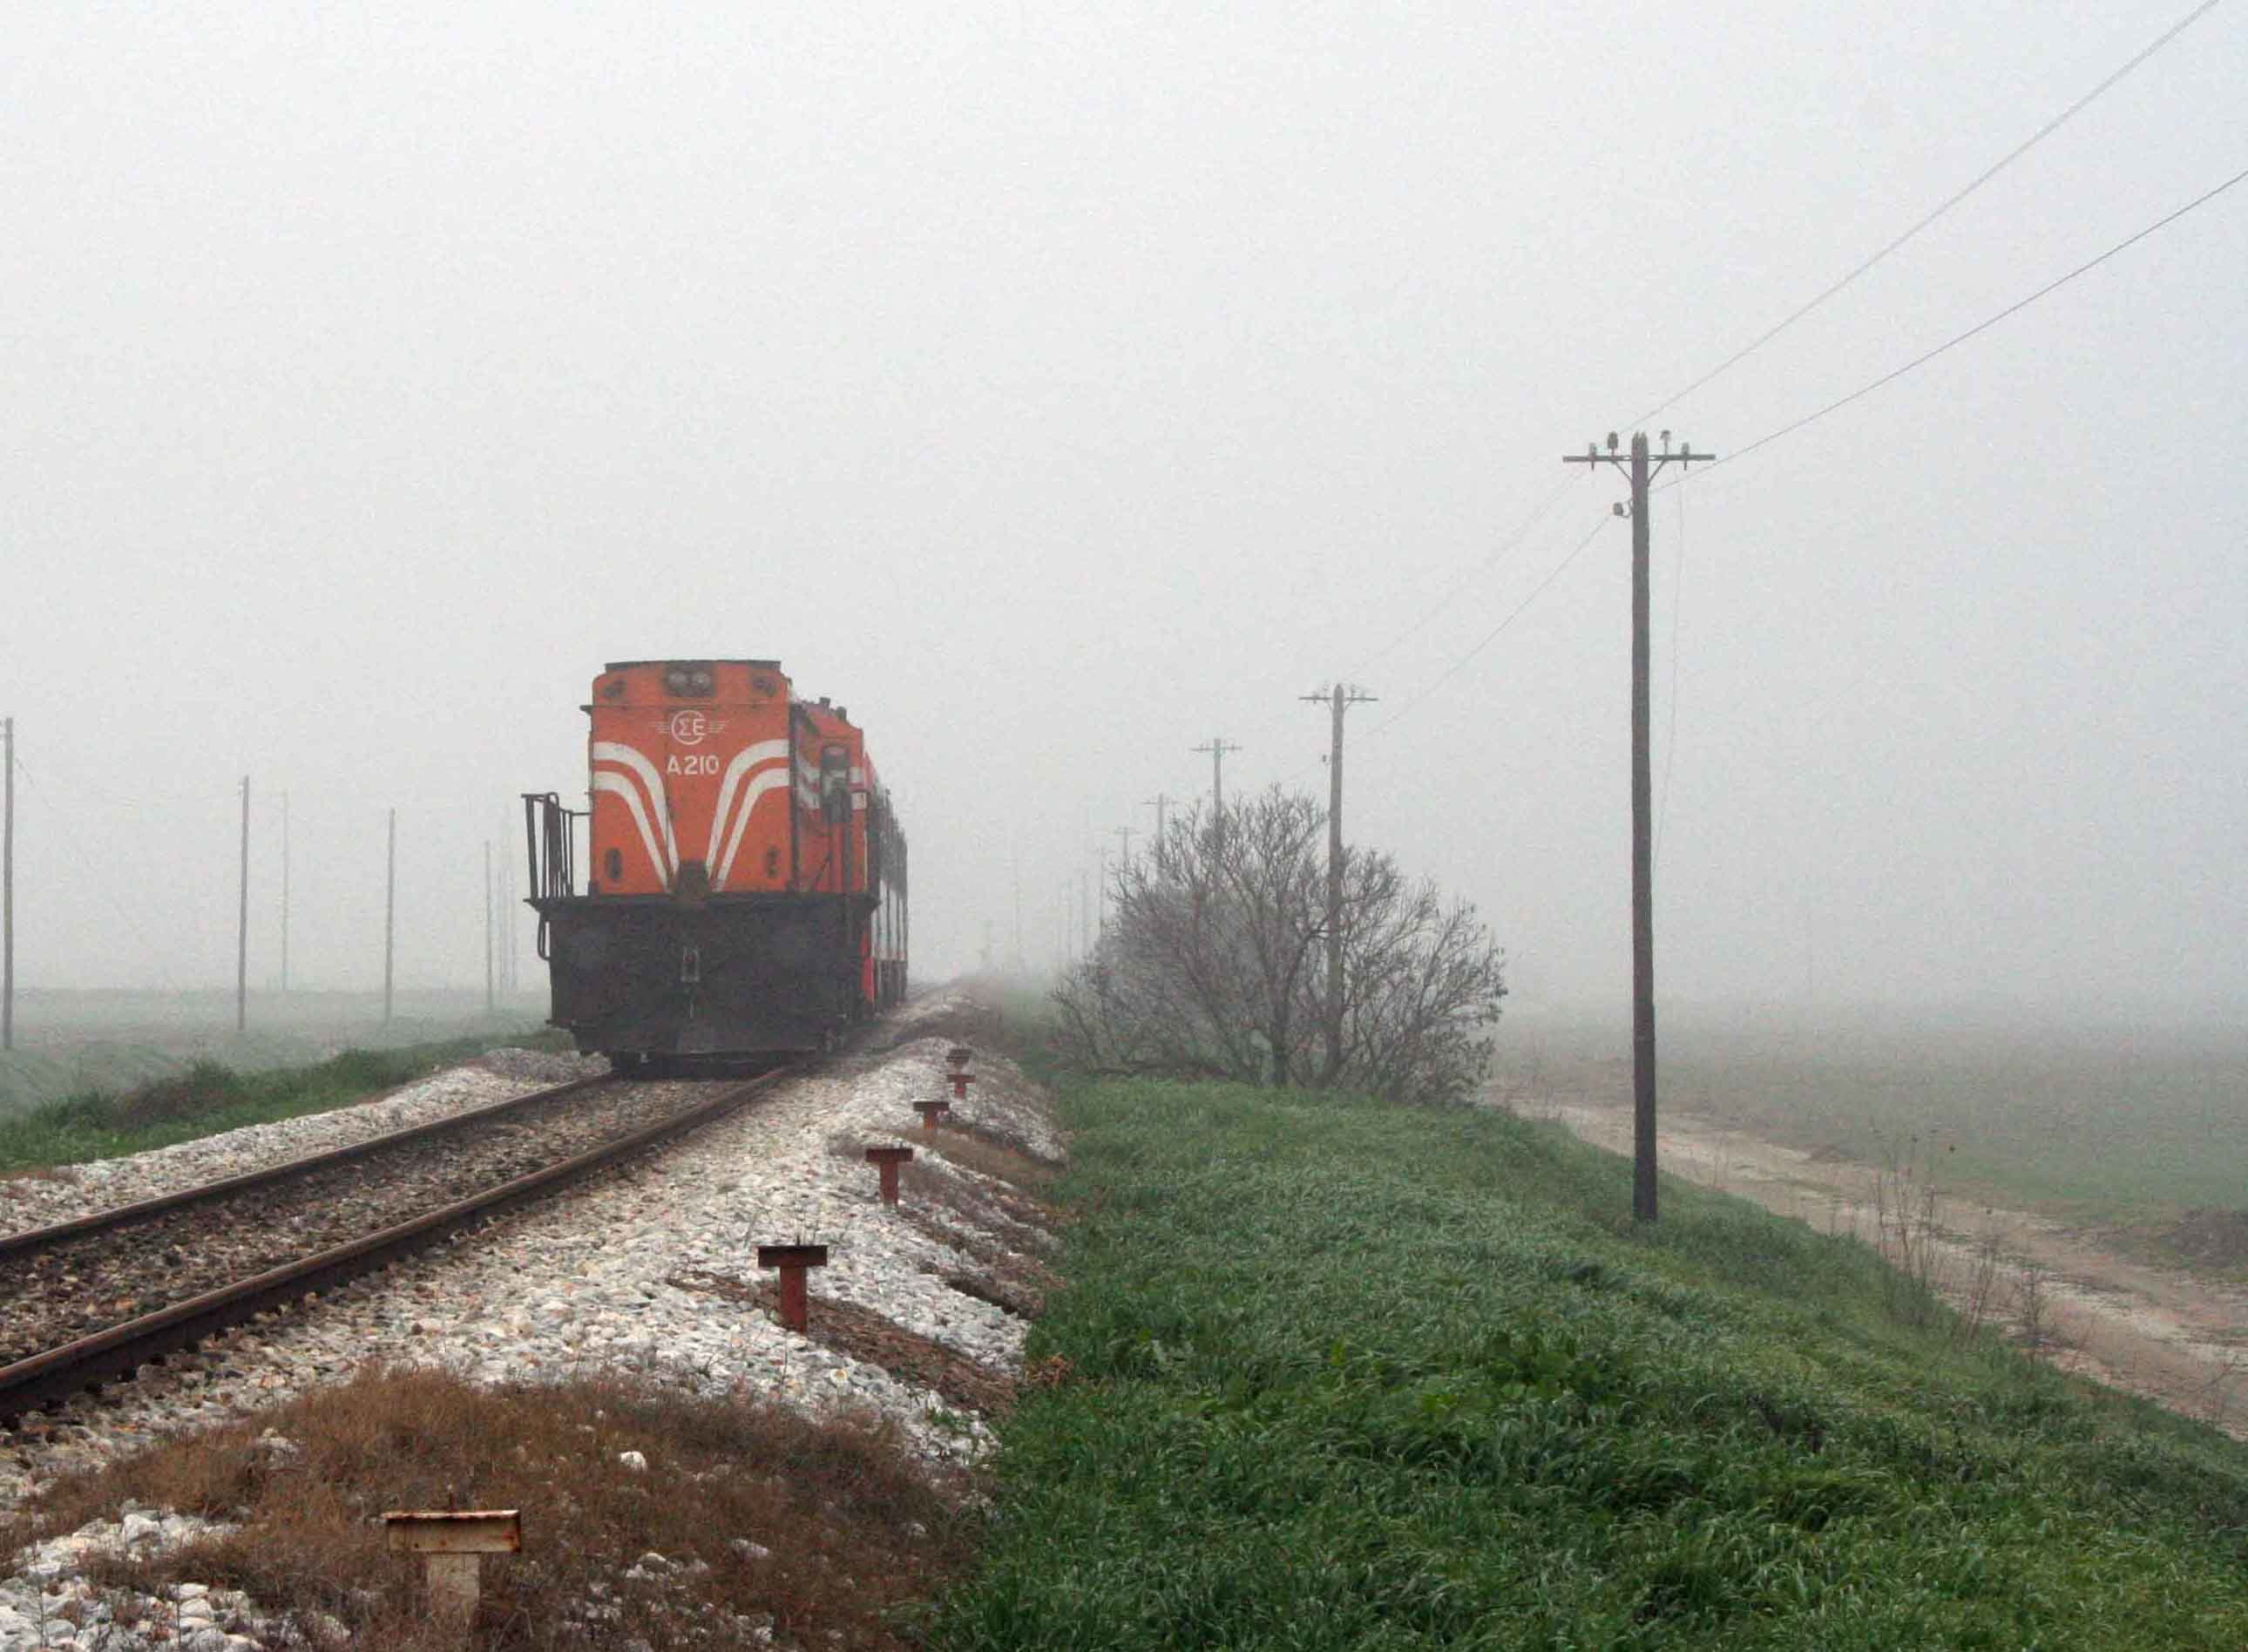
(452, 1545)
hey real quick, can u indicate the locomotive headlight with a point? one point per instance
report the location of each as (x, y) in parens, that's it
(676, 681)
(701, 682)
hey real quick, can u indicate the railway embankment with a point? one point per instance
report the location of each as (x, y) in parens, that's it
(1324, 1373)
(695, 1472)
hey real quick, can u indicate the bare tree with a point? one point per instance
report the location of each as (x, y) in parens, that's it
(1207, 969)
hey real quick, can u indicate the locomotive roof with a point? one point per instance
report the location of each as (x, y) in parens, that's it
(624, 665)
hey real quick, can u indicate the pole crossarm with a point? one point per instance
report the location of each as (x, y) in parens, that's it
(1685, 457)
(1218, 746)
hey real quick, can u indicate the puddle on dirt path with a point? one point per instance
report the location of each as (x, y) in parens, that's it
(2154, 1332)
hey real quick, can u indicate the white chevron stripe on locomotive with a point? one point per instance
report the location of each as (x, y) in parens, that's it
(724, 843)
(748, 757)
(610, 780)
(658, 809)
(770, 780)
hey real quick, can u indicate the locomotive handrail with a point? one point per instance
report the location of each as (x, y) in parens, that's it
(550, 842)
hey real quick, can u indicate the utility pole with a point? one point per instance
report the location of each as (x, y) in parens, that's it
(1643, 861)
(1217, 748)
(1339, 699)
(1160, 803)
(1015, 860)
(499, 894)
(7, 892)
(284, 891)
(1124, 835)
(1085, 913)
(489, 1003)
(499, 924)
(242, 924)
(503, 927)
(389, 917)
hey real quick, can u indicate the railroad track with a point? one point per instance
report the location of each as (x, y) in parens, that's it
(90, 1300)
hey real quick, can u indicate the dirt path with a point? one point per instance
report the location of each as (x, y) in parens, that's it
(2175, 1339)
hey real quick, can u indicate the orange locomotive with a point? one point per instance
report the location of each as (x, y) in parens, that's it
(745, 881)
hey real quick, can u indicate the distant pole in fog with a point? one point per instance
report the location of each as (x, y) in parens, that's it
(284, 891)
(242, 924)
(8, 890)
(389, 916)
(1642, 858)
(1338, 699)
(501, 936)
(1160, 803)
(504, 924)
(489, 1003)
(503, 927)
(1124, 836)
(1217, 748)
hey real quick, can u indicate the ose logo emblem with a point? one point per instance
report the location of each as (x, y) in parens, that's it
(688, 728)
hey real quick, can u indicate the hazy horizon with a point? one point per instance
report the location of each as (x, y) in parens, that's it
(1060, 390)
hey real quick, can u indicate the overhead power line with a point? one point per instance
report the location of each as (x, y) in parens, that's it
(1670, 735)
(1490, 559)
(1950, 201)
(1460, 664)
(2015, 308)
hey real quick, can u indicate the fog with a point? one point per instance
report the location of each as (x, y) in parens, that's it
(1061, 387)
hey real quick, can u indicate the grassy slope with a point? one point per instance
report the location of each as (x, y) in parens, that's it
(209, 1097)
(1349, 1375)
(121, 1041)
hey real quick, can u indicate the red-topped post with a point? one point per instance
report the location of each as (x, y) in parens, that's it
(793, 1260)
(886, 1162)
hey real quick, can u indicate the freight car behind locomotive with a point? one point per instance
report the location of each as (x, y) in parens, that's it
(745, 874)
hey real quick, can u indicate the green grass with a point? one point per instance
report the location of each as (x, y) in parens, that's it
(210, 1097)
(70, 1042)
(1349, 1375)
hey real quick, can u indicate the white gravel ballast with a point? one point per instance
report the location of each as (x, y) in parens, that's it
(592, 1279)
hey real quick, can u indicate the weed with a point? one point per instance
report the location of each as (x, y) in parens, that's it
(2033, 1306)
(1977, 1299)
(761, 1519)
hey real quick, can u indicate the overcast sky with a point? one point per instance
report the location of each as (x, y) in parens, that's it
(1059, 387)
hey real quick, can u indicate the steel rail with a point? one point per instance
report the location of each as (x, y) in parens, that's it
(33, 1384)
(125, 1215)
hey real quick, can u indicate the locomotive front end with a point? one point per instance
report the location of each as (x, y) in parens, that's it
(717, 917)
